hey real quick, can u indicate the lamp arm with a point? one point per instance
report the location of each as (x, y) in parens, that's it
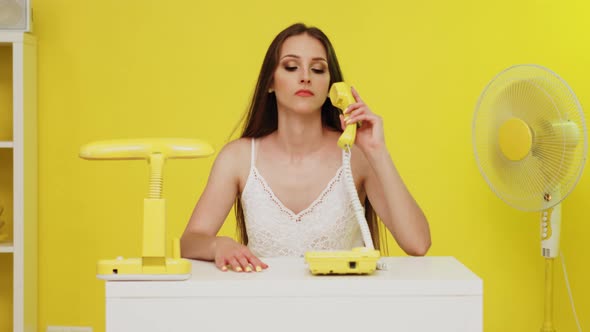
(156, 161)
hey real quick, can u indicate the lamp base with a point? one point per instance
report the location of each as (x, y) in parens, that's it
(137, 269)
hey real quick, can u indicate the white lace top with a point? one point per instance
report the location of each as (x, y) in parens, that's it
(328, 223)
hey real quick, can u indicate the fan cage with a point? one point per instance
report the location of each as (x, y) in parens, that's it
(552, 168)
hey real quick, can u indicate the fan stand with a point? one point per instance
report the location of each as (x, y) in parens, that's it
(548, 315)
(550, 233)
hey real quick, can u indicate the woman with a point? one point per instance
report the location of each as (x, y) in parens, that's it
(285, 173)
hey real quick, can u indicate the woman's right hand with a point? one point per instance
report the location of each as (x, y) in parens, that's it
(237, 256)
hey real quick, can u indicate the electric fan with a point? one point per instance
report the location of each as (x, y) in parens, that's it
(530, 144)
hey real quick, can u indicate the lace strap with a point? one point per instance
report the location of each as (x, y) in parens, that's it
(253, 154)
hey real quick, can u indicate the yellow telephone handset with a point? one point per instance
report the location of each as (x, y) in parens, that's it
(341, 97)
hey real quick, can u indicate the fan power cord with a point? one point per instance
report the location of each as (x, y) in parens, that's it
(569, 291)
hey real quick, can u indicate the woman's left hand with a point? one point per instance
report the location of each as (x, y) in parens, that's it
(369, 135)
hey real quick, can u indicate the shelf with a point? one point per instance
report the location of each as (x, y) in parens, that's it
(7, 37)
(6, 145)
(6, 247)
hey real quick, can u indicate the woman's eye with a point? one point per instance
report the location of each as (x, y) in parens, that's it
(290, 68)
(318, 70)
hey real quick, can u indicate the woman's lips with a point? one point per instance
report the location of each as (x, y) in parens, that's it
(304, 93)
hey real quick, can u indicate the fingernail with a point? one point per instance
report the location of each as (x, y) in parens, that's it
(238, 269)
(248, 269)
(258, 268)
(224, 268)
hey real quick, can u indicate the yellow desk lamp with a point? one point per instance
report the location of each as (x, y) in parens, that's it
(153, 265)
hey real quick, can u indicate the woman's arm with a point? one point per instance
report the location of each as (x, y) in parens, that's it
(199, 240)
(395, 205)
(385, 188)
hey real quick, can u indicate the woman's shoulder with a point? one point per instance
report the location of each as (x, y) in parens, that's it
(358, 160)
(236, 151)
(231, 161)
(236, 155)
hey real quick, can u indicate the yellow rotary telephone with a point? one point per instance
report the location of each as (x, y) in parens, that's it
(361, 260)
(153, 265)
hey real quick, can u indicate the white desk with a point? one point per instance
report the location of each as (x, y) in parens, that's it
(414, 294)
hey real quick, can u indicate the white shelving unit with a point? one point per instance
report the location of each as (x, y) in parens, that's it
(6, 144)
(6, 247)
(21, 145)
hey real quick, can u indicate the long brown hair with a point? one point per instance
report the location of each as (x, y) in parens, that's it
(261, 118)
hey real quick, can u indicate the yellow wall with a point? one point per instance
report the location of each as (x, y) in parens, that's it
(136, 68)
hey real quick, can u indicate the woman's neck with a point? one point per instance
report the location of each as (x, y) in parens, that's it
(300, 135)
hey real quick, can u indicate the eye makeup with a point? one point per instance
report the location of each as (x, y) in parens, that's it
(317, 68)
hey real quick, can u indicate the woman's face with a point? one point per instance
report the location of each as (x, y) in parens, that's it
(301, 80)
